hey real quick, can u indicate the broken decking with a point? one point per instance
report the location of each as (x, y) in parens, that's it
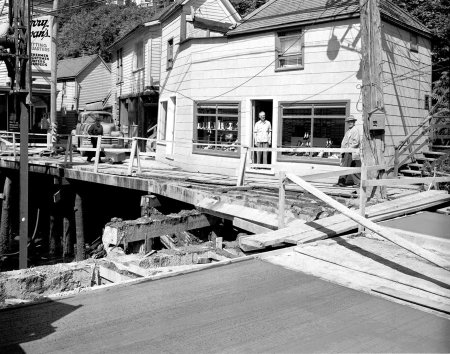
(339, 223)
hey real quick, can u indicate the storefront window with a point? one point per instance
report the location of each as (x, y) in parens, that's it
(318, 124)
(216, 129)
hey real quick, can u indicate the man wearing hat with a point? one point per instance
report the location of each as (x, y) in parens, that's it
(352, 139)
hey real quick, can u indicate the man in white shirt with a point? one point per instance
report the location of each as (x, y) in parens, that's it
(352, 139)
(262, 134)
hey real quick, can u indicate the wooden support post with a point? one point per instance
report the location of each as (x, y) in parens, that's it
(55, 227)
(138, 158)
(241, 172)
(378, 229)
(68, 154)
(396, 161)
(5, 226)
(97, 152)
(68, 203)
(79, 227)
(132, 154)
(14, 145)
(281, 199)
(362, 196)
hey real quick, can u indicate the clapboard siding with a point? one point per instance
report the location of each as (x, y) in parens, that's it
(242, 69)
(66, 95)
(3, 75)
(211, 9)
(407, 79)
(94, 83)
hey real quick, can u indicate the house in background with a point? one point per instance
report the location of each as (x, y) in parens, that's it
(300, 62)
(150, 49)
(83, 83)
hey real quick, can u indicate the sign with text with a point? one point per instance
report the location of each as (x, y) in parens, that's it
(41, 42)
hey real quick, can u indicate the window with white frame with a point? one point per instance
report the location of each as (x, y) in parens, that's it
(216, 128)
(289, 50)
(119, 62)
(314, 124)
(139, 55)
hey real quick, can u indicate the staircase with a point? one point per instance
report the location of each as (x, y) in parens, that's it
(424, 163)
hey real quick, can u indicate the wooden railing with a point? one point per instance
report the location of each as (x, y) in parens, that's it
(247, 152)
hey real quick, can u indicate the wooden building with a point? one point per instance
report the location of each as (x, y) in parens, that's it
(82, 82)
(300, 62)
(140, 60)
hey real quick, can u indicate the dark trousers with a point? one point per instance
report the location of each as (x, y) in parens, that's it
(347, 161)
(262, 154)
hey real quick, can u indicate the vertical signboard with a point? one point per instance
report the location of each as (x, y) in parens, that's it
(41, 41)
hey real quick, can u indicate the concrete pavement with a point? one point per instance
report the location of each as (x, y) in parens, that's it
(247, 307)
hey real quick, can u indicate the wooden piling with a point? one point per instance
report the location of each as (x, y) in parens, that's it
(55, 221)
(79, 227)
(68, 203)
(5, 226)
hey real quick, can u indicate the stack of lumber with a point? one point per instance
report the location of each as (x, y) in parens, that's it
(339, 223)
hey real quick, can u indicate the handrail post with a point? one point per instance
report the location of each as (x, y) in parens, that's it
(281, 199)
(138, 158)
(362, 195)
(97, 152)
(242, 165)
(68, 153)
(396, 161)
(14, 145)
(133, 152)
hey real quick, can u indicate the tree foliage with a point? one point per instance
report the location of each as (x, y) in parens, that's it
(91, 29)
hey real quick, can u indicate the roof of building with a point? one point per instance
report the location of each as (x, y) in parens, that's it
(287, 13)
(72, 67)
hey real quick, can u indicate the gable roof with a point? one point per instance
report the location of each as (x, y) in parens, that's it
(72, 67)
(277, 14)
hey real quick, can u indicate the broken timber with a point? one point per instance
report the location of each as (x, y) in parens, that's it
(339, 223)
(149, 227)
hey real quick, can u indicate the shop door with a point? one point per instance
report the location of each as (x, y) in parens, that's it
(265, 106)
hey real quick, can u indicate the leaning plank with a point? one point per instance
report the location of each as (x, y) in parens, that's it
(378, 229)
(337, 224)
(149, 227)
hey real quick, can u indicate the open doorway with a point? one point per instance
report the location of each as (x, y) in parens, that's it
(265, 106)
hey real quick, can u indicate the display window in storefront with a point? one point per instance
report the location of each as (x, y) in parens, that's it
(312, 124)
(216, 128)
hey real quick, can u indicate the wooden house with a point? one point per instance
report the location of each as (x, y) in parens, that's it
(143, 57)
(83, 83)
(300, 63)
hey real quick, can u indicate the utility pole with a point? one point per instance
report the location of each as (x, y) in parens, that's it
(54, 74)
(372, 89)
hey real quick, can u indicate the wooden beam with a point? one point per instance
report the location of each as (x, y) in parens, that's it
(404, 180)
(144, 228)
(380, 230)
(342, 172)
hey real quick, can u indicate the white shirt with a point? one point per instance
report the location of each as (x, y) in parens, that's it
(352, 139)
(262, 131)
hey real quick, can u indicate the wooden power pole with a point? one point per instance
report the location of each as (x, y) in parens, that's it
(372, 89)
